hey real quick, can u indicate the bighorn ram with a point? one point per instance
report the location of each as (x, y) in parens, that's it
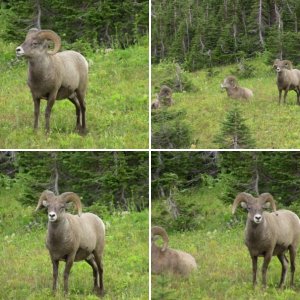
(164, 98)
(73, 238)
(54, 75)
(268, 234)
(234, 91)
(287, 78)
(167, 260)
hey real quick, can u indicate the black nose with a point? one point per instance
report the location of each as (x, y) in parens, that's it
(52, 215)
(18, 49)
(257, 218)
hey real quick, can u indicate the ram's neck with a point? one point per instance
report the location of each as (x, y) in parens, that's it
(39, 68)
(256, 232)
(57, 230)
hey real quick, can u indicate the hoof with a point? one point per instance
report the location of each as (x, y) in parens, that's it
(83, 131)
(99, 292)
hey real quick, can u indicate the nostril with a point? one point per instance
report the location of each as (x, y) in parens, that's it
(51, 215)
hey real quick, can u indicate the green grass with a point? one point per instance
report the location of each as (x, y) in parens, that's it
(26, 270)
(117, 105)
(271, 125)
(224, 264)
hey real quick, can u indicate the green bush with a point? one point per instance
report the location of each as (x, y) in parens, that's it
(172, 75)
(169, 130)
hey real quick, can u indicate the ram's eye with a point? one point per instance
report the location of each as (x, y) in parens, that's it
(34, 44)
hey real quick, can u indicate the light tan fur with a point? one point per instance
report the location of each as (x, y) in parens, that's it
(234, 91)
(167, 260)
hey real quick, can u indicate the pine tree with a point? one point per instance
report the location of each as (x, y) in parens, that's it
(234, 132)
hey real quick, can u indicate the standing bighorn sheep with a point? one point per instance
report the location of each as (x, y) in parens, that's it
(167, 260)
(269, 234)
(73, 238)
(287, 78)
(234, 91)
(54, 75)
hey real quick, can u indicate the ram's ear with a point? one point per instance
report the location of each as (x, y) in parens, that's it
(244, 204)
(266, 205)
(45, 203)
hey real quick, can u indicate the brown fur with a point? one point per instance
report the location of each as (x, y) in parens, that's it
(165, 96)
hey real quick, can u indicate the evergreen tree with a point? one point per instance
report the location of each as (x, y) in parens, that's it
(234, 132)
(204, 33)
(117, 180)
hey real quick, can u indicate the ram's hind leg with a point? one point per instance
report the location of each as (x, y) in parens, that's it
(80, 97)
(91, 261)
(98, 259)
(298, 95)
(284, 264)
(75, 101)
(293, 253)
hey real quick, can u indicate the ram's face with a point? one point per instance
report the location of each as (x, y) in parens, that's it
(255, 210)
(228, 83)
(280, 65)
(55, 210)
(32, 47)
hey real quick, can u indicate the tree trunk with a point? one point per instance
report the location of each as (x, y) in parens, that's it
(39, 14)
(55, 173)
(260, 23)
(172, 206)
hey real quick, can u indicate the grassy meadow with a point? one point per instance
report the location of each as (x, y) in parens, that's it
(26, 269)
(116, 102)
(224, 264)
(272, 126)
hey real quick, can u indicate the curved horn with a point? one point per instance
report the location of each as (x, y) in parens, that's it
(51, 35)
(267, 197)
(72, 197)
(288, 64)
(157, 230)
(240, 198)
(46, 195)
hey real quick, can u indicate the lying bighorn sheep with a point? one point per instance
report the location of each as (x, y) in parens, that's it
(164, 260)
(234, 91)
(164, 98)
(73, 238)
(268, 234)
(287, 78)
(54, 75)
(155, 104)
